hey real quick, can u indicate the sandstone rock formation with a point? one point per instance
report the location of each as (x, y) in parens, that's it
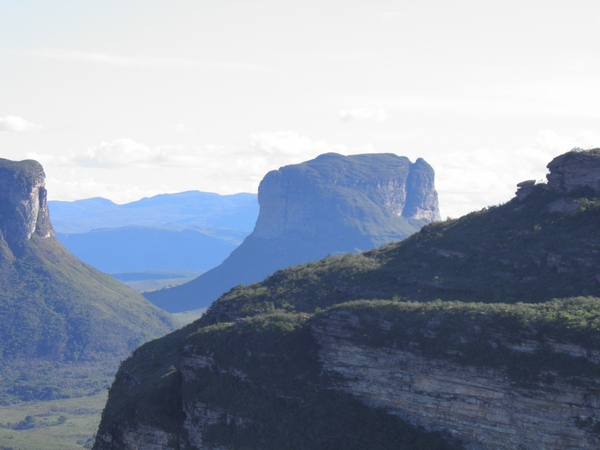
(574, 170)
(478, 405)
(330, 205)
(23, 208)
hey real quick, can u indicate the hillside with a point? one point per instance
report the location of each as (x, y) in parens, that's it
(185, 231)
(330, 205)
(64, 326)
(481, 332)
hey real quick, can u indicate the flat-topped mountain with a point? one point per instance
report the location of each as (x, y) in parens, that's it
(57, 312)
(479, 333)
(332, 204)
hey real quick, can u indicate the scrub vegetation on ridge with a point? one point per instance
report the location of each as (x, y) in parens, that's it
(513, 288)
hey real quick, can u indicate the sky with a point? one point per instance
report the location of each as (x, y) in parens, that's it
(129, 99)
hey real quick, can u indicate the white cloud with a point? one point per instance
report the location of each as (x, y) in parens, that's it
(118, 153)
(470, 180)
(16, 124)
(289, 143)
(356, 114)
(102, 170)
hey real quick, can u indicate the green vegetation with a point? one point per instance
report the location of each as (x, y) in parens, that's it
(489, 335)
(516, 252)
(61, 318)
(280, 398)
(68, 424)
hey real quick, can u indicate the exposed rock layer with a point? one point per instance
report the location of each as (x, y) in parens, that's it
(575, 170)
(481, 406)
(23, 207)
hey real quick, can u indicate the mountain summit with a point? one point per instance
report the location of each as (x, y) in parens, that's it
(332, 204)
(56, 311)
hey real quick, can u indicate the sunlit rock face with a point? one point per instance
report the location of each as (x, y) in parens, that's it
(575, 170)
(23, 208)
(333, 189)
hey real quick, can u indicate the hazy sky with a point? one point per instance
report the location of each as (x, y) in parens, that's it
(126, 99)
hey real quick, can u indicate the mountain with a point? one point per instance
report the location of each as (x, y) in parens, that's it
(187, 231)
(64, 326)
(332, 204)
(185, 209)
(481, 332)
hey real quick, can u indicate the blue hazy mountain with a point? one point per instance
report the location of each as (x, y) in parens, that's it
(186, 231)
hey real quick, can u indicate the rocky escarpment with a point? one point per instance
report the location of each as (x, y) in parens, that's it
(442, 375)
(482, 406)
(23, 207)
(330, 205)
(575, 170)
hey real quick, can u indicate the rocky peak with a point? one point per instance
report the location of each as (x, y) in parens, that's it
(23, 207)
(306, 196)
(575, 170)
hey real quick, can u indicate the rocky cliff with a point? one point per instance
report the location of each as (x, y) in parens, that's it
(487, 337)
(575, 170)
(330, 205)
(23, 208)
(58, 313)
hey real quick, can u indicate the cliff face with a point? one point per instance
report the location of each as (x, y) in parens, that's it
(452, 370)
(332, 204)
(23, 207)
(334, 189)
(479, 405)
(575, 170)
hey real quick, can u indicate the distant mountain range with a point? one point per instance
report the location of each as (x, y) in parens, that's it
(329, 205)
(186, 231)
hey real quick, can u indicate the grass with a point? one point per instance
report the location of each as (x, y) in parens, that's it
(50, 432)
(188, 317)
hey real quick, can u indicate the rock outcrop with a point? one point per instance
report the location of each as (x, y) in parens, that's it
(23, 207)
(330, 205)
(575, 170)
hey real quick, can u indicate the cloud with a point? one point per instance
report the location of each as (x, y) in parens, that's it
(16, 125)
(289, 144)
(125, 170)
(136, 61)
(470, 180)
(359, 114)
(118, 153)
